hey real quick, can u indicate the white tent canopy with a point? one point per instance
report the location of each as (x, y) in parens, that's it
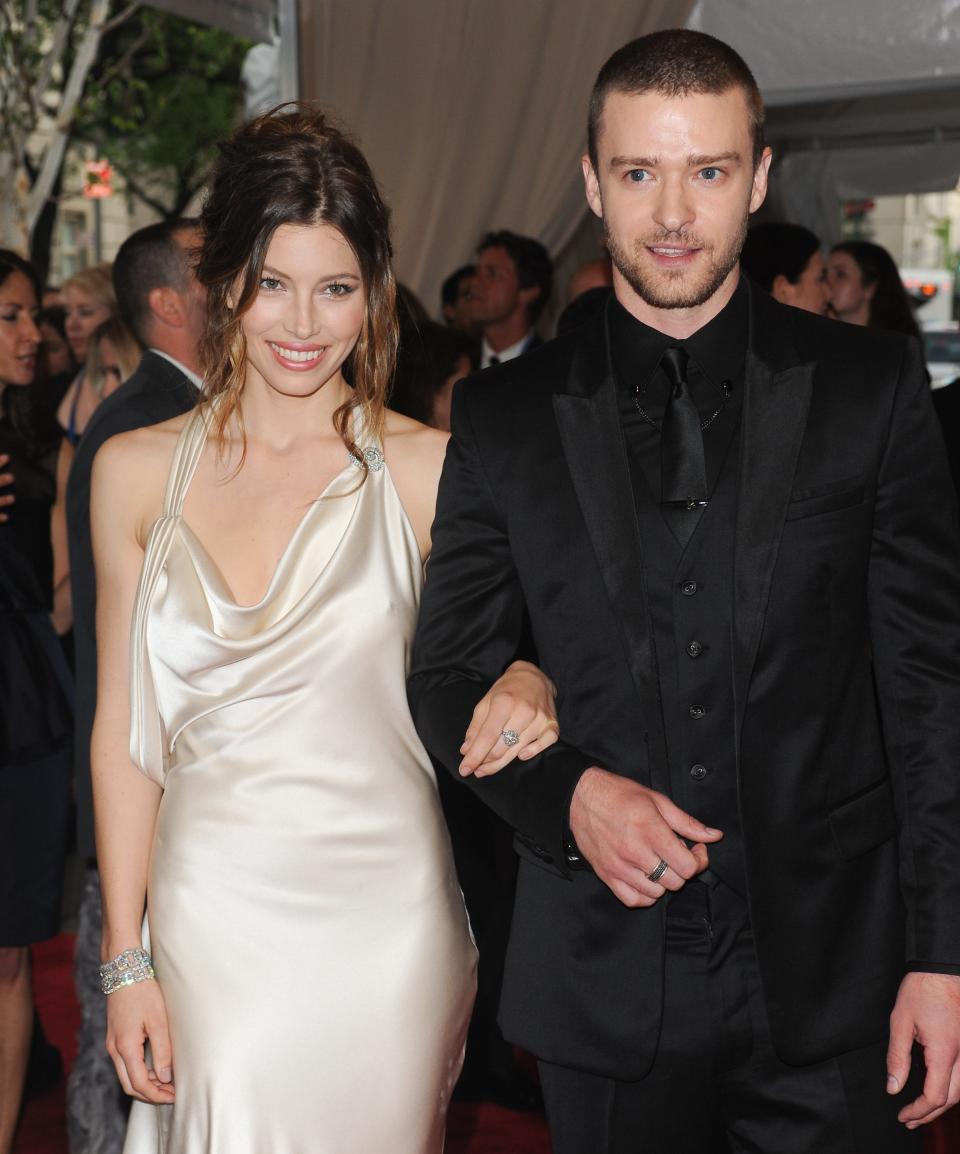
(863, 96)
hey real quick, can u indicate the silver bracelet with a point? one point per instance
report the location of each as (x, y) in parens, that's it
(127, 968)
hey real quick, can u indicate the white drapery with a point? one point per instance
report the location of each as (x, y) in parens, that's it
(466, 128)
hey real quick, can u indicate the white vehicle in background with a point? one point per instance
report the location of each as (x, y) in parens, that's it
(931, 290)
(941, 347)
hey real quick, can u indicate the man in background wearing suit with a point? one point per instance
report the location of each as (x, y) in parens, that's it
(161, 301)
(732, 529)
(511, 285)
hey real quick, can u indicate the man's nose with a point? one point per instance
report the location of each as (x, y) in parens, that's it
(674, 208)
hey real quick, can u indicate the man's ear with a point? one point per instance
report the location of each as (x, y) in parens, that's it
(782, 290)
(761, 174)
(166, 306)
(529, 295)
(592, 187)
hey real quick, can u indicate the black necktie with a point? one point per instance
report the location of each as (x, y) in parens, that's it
(683, 471)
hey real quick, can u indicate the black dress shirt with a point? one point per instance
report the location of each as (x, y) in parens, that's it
(715, 372)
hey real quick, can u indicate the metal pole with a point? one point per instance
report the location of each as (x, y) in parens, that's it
(288, 20)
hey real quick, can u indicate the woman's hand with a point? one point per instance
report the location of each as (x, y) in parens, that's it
(136, 1015)
(522, 700)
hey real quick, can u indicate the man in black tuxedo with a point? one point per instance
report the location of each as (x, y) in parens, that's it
(161, 301)
(731, 527)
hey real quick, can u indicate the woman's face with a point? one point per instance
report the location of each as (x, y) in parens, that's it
(110, 368)
(308, 312)
(56, 350)
(810, 291)
(849, 297)
(19, 335)
(83, 315)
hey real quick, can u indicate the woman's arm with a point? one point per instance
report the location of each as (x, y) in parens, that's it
(62, 605)
(520, 704)
(125, 801)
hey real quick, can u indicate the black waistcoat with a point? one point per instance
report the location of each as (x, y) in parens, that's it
(690, 592)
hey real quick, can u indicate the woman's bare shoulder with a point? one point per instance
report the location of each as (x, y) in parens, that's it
(131, 468)
(407, 440)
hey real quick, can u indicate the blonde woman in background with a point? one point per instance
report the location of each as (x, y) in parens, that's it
(113, 353)
(89, 300)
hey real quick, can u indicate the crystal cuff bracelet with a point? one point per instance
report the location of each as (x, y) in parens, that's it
(127, 968)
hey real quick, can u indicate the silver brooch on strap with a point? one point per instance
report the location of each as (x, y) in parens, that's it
(372, 457)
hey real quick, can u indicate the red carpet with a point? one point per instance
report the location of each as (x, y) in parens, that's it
(474, 1129)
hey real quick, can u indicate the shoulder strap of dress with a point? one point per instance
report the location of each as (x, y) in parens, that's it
(186, 457)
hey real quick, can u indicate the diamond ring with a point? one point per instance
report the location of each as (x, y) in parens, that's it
(510, 737)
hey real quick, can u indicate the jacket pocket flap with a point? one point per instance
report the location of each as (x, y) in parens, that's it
(805, 505)
(865, 821)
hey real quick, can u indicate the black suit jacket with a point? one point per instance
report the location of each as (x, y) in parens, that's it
(845, 676)
(157, 391)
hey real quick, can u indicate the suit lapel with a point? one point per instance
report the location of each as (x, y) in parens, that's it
(776, 403)
(589, 425)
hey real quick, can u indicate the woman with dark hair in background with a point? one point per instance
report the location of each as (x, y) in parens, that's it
(269, 800)
(784, 260)
(35, 694)
(864, 287)
(57, 364)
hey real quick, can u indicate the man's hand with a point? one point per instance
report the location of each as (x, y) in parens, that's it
(927, 1011)
(6, 480)
(624, 830)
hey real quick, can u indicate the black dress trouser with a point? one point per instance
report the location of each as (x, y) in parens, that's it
(716, 1086)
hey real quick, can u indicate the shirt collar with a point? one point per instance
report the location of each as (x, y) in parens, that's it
(718, 349)
(507, 354)
(188, 373)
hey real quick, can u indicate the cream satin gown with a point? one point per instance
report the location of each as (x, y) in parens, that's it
(305, 920)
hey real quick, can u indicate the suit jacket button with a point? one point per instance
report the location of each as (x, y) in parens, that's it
(698, 772)
(688, 588)
(694, 649)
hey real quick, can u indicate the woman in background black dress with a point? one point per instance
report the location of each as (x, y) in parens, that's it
(35, 693)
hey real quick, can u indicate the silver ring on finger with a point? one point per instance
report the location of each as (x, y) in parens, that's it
(658, 871)
(510, 737)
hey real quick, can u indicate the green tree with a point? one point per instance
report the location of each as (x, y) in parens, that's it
(161, 95)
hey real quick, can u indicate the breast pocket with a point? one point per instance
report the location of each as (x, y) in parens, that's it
(826, 498)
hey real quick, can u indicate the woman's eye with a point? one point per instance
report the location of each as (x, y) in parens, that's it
(339, 289)
(270, 283)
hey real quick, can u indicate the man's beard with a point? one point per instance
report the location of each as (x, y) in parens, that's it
(663, 289)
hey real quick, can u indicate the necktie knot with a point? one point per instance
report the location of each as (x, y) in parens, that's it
(674, 363)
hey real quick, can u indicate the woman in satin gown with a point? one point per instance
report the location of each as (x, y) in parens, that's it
(260, 790)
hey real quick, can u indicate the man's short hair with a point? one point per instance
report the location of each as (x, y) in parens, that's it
(149, 258)
(777, 248)
(532, 261)
(450, 289)
(675, 62)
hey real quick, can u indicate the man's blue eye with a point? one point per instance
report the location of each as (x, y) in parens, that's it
(637, 175)
(710, 173)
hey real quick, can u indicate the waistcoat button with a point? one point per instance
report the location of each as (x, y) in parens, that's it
(694, 649)
(688, 588)
(697, 711)
(698, 772)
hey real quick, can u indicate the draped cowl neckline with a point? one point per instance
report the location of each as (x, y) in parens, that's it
(215, 625)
